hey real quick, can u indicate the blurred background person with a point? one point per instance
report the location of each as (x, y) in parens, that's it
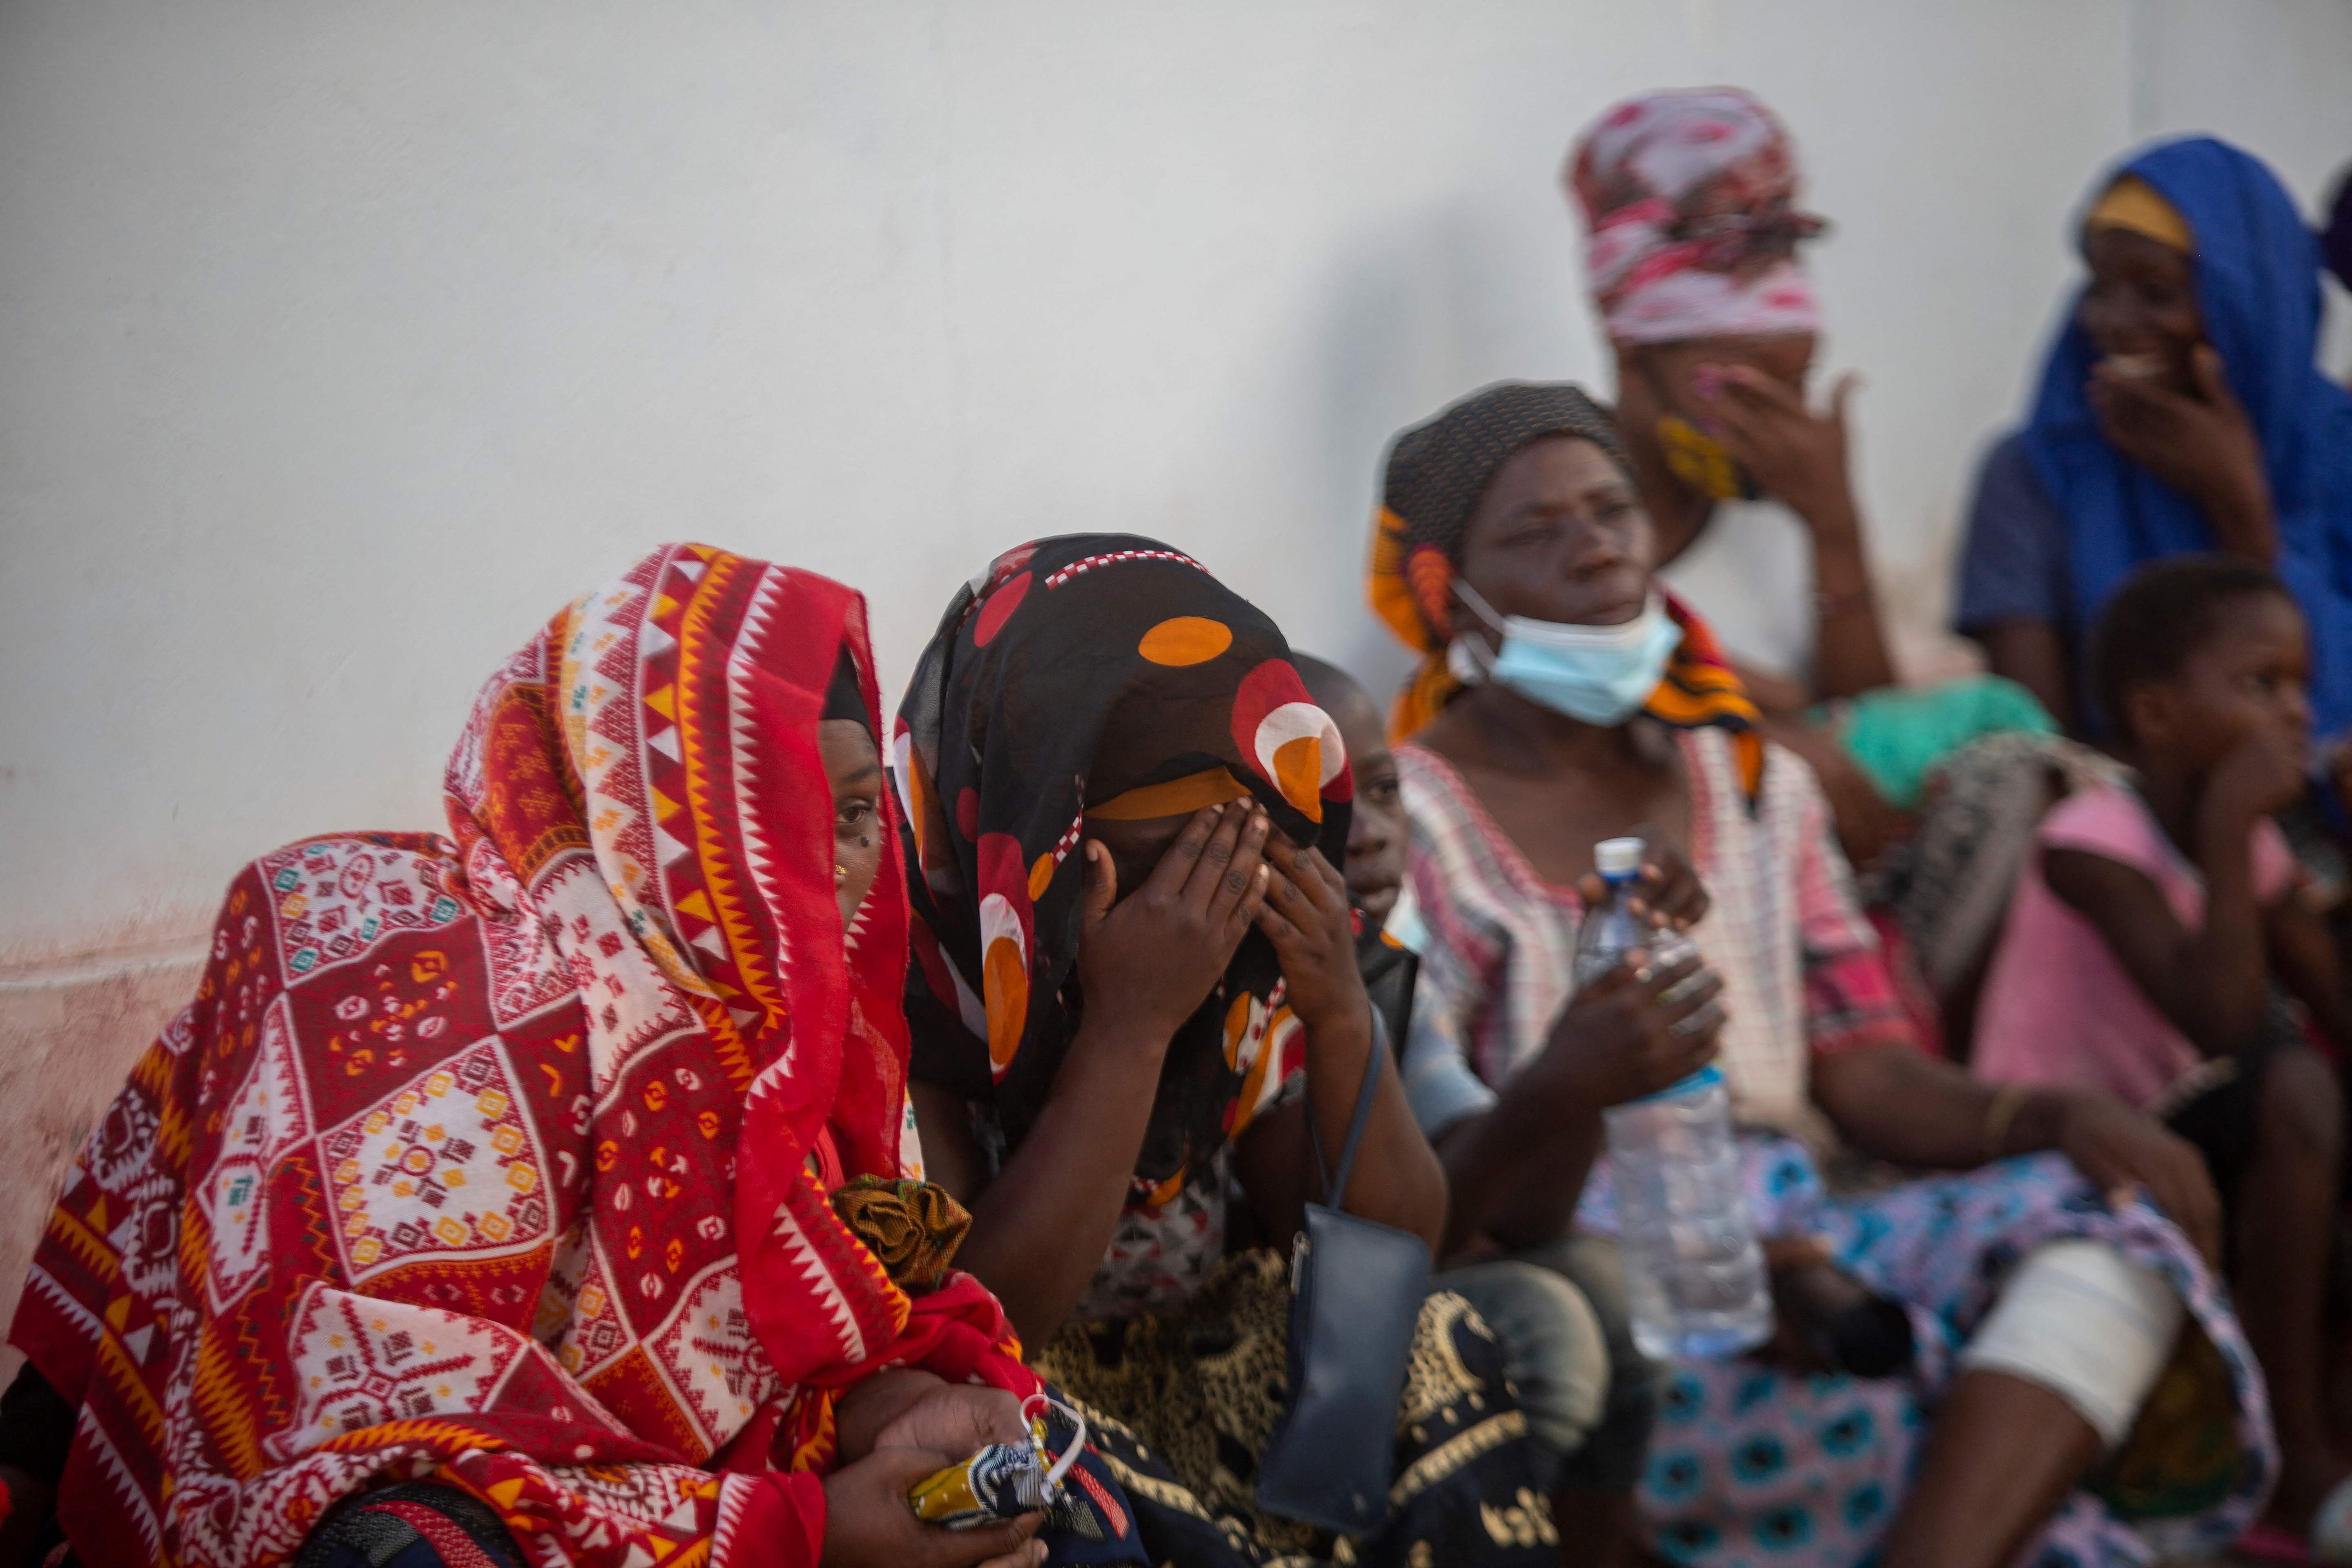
(2180, 409)
(1690, 196)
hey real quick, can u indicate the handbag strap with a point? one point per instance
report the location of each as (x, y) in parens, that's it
(1335, 1186)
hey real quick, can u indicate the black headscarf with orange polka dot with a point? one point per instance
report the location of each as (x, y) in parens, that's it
(1070, 671)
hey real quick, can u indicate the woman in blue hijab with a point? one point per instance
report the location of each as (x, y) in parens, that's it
(2181, 409)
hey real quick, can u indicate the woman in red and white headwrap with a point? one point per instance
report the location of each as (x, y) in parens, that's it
(1692, 261)
(516, 1195)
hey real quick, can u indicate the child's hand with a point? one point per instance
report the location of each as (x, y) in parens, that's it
(2265, 773)
(1305, 915)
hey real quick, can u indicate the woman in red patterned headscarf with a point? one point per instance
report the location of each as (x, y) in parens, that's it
(524, 1163)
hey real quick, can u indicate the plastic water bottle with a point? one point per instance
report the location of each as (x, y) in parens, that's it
(1694, 1273)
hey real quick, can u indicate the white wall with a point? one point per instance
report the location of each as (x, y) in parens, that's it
(340, 344)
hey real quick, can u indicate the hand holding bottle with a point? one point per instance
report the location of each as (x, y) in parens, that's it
(1634, 1031)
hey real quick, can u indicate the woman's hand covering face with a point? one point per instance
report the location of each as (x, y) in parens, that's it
(2198, 441)
(1793, 452)
(1306, 916)
(1149, 958)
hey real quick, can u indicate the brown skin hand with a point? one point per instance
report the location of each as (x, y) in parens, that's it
(1168, 901)
(2159, 393)
(1750, 394)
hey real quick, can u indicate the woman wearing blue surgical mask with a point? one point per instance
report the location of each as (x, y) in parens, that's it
(2026, 1307)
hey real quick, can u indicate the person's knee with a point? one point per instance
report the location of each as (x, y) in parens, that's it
(1614, 1454)
(2086, 1322)
(1594, 1266)
(1554, 1351)
(2302, 1107)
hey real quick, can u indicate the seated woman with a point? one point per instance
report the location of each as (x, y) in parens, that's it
(2181, 408)
(2042, 1296)
(487, 1205)
(1135, 982)
(1690, 199)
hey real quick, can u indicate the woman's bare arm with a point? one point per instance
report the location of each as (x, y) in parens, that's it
(1040, 1229)
(1893, 1102)
(2034, 655)
(1396, 1178)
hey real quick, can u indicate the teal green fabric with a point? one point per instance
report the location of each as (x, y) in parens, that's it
(1896, 735)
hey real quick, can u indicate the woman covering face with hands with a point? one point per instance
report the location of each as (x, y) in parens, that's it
(2180, 409)
(1696, 263)
(1135, 982)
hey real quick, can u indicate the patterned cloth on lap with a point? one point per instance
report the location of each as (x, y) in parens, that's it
(1749, 1464)
(1183, 1401)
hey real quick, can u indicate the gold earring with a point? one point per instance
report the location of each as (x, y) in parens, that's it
(840, 873)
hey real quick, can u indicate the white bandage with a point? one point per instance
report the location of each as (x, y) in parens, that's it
(2087, 1323)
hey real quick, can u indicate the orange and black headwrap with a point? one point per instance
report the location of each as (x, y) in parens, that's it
(1093, 676)
(1436, 473)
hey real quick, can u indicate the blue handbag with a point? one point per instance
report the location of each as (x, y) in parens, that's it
(1357, 1287)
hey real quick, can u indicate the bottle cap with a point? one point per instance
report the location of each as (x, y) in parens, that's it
(1618, 856)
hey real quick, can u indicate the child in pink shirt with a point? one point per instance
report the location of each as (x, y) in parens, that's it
(2059, 1006)
(2142, 948)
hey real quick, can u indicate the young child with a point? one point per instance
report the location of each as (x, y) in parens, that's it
(2142, 949)
(1559, 1311)
(1378, 836)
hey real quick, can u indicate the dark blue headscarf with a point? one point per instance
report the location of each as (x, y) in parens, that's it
(2257, 277)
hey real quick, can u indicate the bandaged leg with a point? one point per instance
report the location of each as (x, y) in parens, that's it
(2084, 1321)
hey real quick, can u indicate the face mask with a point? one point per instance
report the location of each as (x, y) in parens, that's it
(1602, 675)
(1702, 462)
